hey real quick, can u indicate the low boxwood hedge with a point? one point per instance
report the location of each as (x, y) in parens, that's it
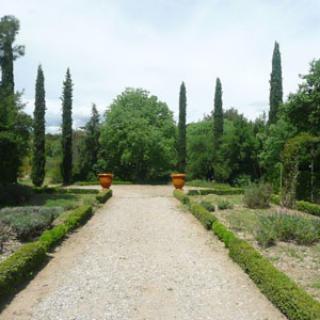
(282, 291)
(220, 192)
(308, 207)
(65, 190)
(304, 206)
(104, 195)
(28, 259)
(20, 267)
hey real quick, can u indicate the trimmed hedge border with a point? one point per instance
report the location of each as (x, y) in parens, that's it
(304, 206)
(283, 292)
(104, 195)
(65, 190)
(22, 265)
(220, 192)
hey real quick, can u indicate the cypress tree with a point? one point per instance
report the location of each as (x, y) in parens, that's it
(91, 146)
(181, 147)
(66, 166)
(276, 92)
(39, 158)
(217, 116)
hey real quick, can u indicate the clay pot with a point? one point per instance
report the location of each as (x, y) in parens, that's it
(178, 180)
(105, 180)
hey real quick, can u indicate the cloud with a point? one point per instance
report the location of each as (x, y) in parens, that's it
(111, 45)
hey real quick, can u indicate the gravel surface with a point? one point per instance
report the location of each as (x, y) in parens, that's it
(141, 256)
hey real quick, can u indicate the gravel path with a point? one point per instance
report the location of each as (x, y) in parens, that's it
(141, 256)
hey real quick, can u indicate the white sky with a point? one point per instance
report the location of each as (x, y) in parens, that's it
(113, 44)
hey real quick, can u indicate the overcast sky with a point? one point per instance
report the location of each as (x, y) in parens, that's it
(113, 44)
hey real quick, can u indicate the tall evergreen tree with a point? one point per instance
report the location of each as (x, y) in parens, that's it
(66, 166)
(276, 92)
(182, 145)
(217, 116)
(9, 28)
(90, 147)
(39, 158)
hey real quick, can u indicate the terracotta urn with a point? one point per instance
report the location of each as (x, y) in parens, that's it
(178, 180)
(105, 180)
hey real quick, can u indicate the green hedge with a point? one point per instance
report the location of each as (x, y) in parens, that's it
(65, 190)
(220, 192)
(308, 207)
(283, 292)
(104, 195)
(28, 259)
(304, 206)
(20, 267)
(180, 195)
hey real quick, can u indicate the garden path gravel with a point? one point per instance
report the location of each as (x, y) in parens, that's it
(141, 257)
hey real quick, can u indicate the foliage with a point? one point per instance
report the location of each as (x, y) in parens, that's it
(218, 191)
(143, 130)
(66, 166)
(14, 194)
(287, 227)
(276, 92)
(28, 222)
(199, 149)
(257, 196)
(208, 205)
(217, 115)
(104, 195)
(181, 141)
(5, 233)
(224, 204)
(308, 207)
(39, 159)
(89, 148)
(302, 108)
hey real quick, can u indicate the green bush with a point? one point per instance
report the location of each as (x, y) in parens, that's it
(224, 204)
(20, 267)
(257, 196)
(208, 205)
(14, 194)
(104, 195)
(180, 195)
(28, 222)
(202, 214)
(275, 198)
(223, 233)
(220, 192)
(308, 207)
(5, 233)
(283, 292)
(52, 190)
(286, 227)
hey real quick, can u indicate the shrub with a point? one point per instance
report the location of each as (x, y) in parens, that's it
(180, 195)
(208, 205)
(257, 196)
(308, 207)
(220, 192)
(20, 267)
(5, 233)
(224, 204)
(28, 222)
(14, 194)
(285, 227)
(103, 196)
(283, 292)
(51, 190)
(203, 215)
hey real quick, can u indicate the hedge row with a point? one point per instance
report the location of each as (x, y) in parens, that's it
(301, 205)
(104, 195)
(283, 292)
(65, 190)
(28, 259)
(220, 192)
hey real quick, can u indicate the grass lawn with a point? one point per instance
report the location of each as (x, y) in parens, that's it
(300, 262)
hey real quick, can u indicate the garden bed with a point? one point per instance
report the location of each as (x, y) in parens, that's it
(300, 262)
